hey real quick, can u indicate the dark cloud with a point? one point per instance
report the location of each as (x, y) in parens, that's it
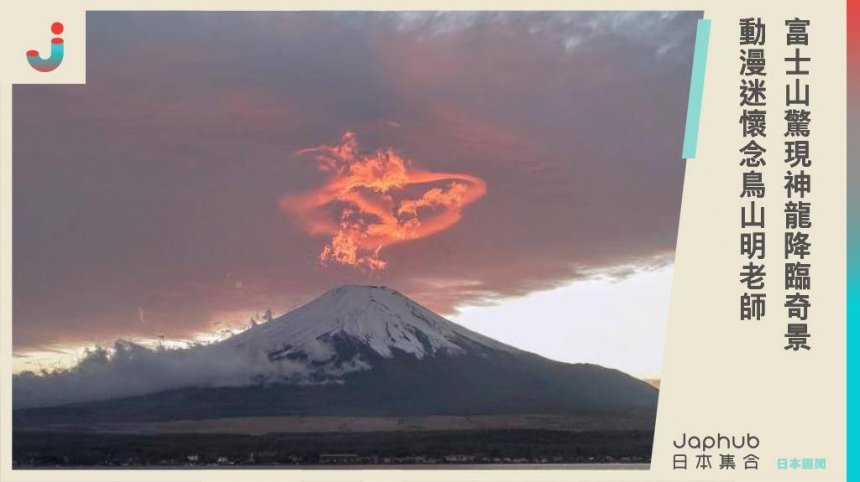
(155, 186)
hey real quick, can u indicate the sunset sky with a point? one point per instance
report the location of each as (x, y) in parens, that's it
(179, 190)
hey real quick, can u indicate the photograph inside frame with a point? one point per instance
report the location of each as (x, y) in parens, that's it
(349, 240)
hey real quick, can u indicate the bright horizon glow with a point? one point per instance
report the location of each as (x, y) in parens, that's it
(615, 323)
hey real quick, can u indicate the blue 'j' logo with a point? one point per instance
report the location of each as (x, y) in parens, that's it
(53, 60)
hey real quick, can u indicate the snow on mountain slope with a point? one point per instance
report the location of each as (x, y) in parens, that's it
(346, 330)
(374, 317)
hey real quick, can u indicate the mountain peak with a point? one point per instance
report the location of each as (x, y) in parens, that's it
(375, 320)
(359, 297)
(360, 290)
(349, 287)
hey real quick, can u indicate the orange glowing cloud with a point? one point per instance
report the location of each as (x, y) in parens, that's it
(371, 201)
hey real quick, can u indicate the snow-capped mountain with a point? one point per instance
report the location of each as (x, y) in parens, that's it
(361, 351)
(345, 328)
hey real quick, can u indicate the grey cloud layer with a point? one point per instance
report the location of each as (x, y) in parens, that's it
(159, 186)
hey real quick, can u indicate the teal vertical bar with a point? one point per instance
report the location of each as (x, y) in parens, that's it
(852, 327)
(853, 306)
(697, 85)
